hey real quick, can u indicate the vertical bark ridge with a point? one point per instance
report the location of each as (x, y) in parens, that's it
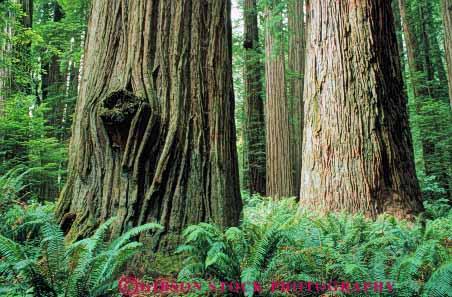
(357, 150)
(280, 181)
(154, 133)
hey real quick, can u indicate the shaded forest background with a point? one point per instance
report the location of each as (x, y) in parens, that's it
(42, 56)
(41, 67)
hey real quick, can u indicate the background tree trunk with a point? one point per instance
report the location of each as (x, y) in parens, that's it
(296, 74)
(21, 62)
(53, 93)
(154, 133)
(6, 47)
(51, 70)
(413, 52)
(279, 164)
(398, 31)
(446, 6)
(357, 150)
(425, 88)
(27, 8)
(421, 88)
(436, 51)
(254, 105)
(428, 66)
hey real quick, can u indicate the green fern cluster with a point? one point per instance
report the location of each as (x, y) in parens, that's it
(277, 243)
(88, 267)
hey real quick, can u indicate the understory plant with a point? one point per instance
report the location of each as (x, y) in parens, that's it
(276, 244)
(43, 265)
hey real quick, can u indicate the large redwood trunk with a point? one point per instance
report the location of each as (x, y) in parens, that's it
(154, 133)
(279, 163)
(357, 150)
(254, 105)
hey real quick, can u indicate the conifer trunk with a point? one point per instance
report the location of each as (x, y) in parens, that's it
(446, 8)
(279, 164)
(357, 149)
(254, 105)
(154, 132)
(296, 73)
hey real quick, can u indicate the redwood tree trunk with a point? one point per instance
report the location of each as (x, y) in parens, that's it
(296, 73)
(154, 133)
(279, 165)
(447, 20)
(254, 105)
(357, 149)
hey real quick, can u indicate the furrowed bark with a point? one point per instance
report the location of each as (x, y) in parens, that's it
(279, 164)
(154, 133)
(357, 149)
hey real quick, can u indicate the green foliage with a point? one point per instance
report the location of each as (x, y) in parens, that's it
(43, 265)
(24, 143)
(35, 116)
(440, 283)
(429, 107)
(276, 242)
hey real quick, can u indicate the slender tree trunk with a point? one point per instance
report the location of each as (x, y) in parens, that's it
(154, 133)
(446, 8)
(413, 52)
(254, 105)
(398, 30)
(53, 90)
(357, 149)
(22, 62)
(51, 70)
(296, 72)
(27, 8)
(4, 61)
(437, 57)
(439, 81)
(279, 165)
(419, 78)
(428, 66)
(438, 60)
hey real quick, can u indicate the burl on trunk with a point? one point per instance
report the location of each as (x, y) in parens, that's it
(154, 133)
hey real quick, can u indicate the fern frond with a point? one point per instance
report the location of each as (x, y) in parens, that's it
(440, 283)
(11, 250)
(123, 239)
